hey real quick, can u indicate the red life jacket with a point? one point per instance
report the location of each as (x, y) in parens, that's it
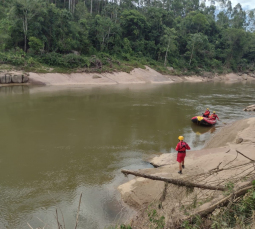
(213, 116)
(182, 146)
(207, 113)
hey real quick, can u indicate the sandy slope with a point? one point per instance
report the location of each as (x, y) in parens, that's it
(136, 76)
(140, 192)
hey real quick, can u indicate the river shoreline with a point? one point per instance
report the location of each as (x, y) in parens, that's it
(139, 192)
(136, 76)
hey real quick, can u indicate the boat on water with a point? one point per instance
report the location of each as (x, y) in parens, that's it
(203, 121)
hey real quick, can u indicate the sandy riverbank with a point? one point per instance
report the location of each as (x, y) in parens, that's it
(136, 76)
(240, 135)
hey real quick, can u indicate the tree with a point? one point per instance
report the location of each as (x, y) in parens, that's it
(168, 41)
(249, 53)
(4, 32)
(223, 20)
(80, 11)
(102, 31)
(200, 21)
(251, 20)
(133, 24)
(238, 17)
(196, 43)
(236, 45)
(112, 10)
(24, 11)
(59, 31)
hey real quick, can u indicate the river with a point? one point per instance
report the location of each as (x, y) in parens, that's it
(57, 143)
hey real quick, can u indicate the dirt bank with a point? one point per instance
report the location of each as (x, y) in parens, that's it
(228, 135)
(136, 76)
(140, 192)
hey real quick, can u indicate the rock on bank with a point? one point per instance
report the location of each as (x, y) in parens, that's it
(13, 77)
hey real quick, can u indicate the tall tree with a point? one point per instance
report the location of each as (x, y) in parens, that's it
(168, 41)
(103, 28)
(236, 45)
(24, 11)
(238, 17)
(251, 20)
(196, 43)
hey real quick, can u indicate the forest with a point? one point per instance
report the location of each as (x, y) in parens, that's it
(101, 35)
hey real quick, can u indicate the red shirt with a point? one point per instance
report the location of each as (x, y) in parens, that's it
(182, 146)
(207, 113)
(214, 116)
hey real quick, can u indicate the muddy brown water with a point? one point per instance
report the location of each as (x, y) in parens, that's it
(59, 142)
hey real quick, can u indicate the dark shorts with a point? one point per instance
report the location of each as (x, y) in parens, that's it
(180, 157)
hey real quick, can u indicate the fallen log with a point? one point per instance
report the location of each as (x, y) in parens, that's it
(178, 182)
(222, 202)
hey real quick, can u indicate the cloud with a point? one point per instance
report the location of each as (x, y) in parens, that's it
(247, 4)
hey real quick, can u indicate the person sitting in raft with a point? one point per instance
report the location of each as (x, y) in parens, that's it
(181, 148)
(207, 113)
(214, 116)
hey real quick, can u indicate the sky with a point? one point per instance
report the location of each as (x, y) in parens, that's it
(246, 4)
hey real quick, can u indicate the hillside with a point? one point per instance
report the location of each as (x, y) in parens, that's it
(101, 36)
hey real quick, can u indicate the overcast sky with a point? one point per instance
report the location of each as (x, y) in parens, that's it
(246, 4)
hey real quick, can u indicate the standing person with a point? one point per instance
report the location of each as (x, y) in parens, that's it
(214, 116)
(207, 113)
(181, 148)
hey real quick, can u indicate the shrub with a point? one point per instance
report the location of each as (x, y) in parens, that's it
(12, 58)
(216, 64)
(74, 61)
(35, 44)
(67, 61)
(52, 59)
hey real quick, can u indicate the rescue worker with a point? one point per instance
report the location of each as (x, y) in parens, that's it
(181, 148)
(214, 116)
(207, 113)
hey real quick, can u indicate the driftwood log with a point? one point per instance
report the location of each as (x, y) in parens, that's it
(174, 181)
(222, 202)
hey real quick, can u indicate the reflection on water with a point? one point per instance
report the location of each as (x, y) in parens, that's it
(59, 142)
(202, 129)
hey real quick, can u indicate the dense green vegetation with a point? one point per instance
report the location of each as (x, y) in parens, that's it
(238, 214)
(184, 34)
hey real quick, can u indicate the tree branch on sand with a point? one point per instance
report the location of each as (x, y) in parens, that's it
(178, 182)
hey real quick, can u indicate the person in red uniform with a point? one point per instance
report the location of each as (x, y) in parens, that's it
(214, 116)
(207, 113)
(181, 148)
